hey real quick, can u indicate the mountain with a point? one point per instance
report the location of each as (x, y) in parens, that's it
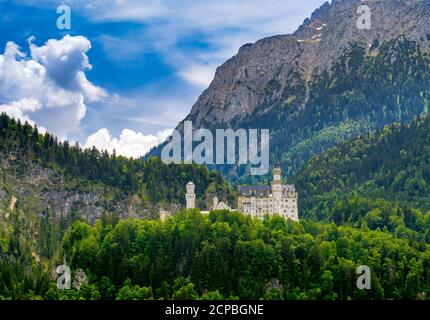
(347, 109)
(327, 82)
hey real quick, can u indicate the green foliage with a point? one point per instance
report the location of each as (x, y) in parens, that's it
(127, 175)
(224, 255)
(30, 239)
(129, 292)
(370, 196)
(391, 164)
(213, 296)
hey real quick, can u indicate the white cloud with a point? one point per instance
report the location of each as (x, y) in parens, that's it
(49, 86)
(222, 25)
(199, 75)
(129, 144)
(205, 15)
(122, 49)
(17, 109)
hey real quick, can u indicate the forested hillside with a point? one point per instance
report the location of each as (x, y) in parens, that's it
(127, 175)
(229, 255)
(391, 164)
(348, 113)
(47, 185)
(369, 196)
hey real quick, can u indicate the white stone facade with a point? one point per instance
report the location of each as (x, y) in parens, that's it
(219, 205)
(274, 199)
(190, 197)
(258, 200)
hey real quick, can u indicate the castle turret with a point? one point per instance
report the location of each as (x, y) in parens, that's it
(190, 197)
(277, 183)
(277, 191)
(215, 203)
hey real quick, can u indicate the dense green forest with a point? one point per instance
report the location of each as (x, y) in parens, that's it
(30, 236)
(227, 255)
(129, 176)
(391, 164)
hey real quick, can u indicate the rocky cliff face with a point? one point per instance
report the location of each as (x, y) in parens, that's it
(29, 187)
(242, 85)
(328, 81)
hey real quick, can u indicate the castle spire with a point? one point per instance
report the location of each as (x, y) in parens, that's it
(277, 174)
(190, 197)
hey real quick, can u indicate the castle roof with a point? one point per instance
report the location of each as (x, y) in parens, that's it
(256, 191)
(288, 187)
(263, 190)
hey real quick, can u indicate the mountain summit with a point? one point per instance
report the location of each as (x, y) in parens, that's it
(245, 83)
(330, 80)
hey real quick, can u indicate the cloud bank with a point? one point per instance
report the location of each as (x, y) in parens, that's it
(49, 85)
(49, 88)
(129, 144)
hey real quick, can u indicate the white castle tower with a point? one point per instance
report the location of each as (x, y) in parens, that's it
(277, 190)
(276, 183)
(216, 202)
(190, 197)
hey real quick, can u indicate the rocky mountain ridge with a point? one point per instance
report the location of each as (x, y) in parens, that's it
(240, 85)
(329, 81)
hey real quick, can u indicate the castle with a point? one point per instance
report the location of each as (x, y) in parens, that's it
(272, 199)
(258, 200)
(190, 198)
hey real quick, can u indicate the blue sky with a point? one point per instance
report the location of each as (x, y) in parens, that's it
(128, 71)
